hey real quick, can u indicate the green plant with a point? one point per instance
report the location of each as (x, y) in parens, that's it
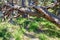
(9, 31)
(33, 26)
(43, 37)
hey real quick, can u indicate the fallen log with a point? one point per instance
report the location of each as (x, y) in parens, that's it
(22, 11)
(49, 16)
(41, 11)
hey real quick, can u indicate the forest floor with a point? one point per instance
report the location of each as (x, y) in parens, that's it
(21, 32)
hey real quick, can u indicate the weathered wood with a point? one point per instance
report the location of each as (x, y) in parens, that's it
(39, 11)
(22, 11)
(49, 16)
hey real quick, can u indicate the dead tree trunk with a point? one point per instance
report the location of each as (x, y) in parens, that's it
(39, 11)
(49, 16)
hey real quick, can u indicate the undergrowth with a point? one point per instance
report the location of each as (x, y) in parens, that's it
(47, 29)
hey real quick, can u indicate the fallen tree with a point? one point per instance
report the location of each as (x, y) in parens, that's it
(39, 11)
(49, 16)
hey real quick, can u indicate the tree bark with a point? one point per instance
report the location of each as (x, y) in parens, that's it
(49, 16)
(39, 11)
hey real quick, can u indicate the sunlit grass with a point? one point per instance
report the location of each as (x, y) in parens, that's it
(17, 31)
